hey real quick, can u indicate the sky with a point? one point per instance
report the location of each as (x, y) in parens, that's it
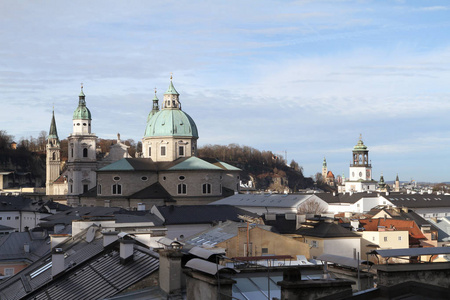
(303, 79)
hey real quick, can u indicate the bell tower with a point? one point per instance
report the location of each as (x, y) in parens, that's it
(53, 160)
(82, 156)
(360, 168)
(324, 170)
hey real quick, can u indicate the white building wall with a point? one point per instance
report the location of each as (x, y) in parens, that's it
(342, 246)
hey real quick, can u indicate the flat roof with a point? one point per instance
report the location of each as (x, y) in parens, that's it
(412, 251)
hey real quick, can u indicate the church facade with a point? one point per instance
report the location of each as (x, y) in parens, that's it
(167, 172)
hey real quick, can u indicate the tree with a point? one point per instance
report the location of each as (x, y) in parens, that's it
(311, 206)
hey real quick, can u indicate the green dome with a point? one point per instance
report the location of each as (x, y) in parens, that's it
(171, 122)
(82, 112)
(360, 146)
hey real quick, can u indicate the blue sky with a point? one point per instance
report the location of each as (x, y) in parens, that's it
(306, 77)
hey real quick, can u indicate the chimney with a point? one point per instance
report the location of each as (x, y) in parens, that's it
(57, 261)
(56, 239)
(109, 237)
(126, 249)
(293, 288)
(170, 272)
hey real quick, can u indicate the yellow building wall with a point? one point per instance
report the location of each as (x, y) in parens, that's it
(275, 244)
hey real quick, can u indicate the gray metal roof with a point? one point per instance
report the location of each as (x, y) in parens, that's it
(91, 272)
(267, 200)
(412, 251)
(206, 266)
(341, 260)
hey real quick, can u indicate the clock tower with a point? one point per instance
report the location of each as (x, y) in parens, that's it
(360, 177)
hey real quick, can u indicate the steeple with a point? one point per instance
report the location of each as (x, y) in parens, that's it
(82, 112)
(324, 165)
(53, 133)
(171, 97)
(155, 107)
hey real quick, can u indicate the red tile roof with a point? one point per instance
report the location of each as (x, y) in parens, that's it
(391, 224)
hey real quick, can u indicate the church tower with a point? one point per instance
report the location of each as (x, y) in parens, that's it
(324, 170)
(360, 169)
(170, 133)
(397, 184)
(53, 160)
(82, 161)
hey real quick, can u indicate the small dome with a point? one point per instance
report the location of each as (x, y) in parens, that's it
(171, 122)
(360, 146)
(82, 112)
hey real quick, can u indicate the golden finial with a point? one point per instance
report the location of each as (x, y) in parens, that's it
(170, 75)
(155, 90)
(81, 86)
(360, 136)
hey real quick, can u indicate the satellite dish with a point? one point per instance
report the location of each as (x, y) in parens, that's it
(90, 234)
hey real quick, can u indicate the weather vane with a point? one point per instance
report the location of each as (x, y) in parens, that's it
(171, 75)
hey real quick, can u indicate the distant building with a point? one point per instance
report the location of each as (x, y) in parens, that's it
(360, 177)
(168, 171)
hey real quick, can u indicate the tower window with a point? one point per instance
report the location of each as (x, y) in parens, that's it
(150, 151)
(71, 152)
(117, 189)
(182, 189)
(181, 150)
(99, 189)
(163, 150)
(85, 152)
(85, 188)
(206, 188)
(54, 156)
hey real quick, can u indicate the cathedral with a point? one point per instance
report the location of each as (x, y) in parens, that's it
(167, 172)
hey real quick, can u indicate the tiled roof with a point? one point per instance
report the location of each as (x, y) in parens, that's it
(131, 164)
(399, 225)
(194, 163)
(12, 246)
(200, 214)
(19, 203)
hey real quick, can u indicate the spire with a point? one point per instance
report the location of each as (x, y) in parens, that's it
(53, 133)
(171, 90)
(82, 112)
(155, 107)
(396, 179)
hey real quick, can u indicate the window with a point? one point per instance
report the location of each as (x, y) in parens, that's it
(71, 152)
(385, 238)
(314, 244)
(150, 151)
(85, 188)
(181, 150)
(1, 218)
(71, 188)
(399, 237)
(182, 188)
(8, 218)
(373, 238)
(206, 188)
(17, 218)
(53, 156)
(85, 152)
(99, 189)
(181, 178)
(264, 250)
(144, 178)
(116, 178)
(117, 189)
(163, 150)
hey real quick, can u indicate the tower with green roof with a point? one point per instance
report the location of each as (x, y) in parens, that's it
(360, 177)
(82, 159)
(170, 133)
(53, 159)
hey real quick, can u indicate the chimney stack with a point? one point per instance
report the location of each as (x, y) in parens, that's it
(126, 249)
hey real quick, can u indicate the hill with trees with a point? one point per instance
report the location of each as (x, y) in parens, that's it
(266, 169)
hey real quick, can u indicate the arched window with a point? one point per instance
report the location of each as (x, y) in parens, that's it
(182, 189)
(85, 152)
(206, 188)
(117, 189)
(54, 156)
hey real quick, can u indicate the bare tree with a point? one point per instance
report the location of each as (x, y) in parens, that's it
(311, 207)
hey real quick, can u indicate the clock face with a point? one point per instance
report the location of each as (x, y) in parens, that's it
(367, 174)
